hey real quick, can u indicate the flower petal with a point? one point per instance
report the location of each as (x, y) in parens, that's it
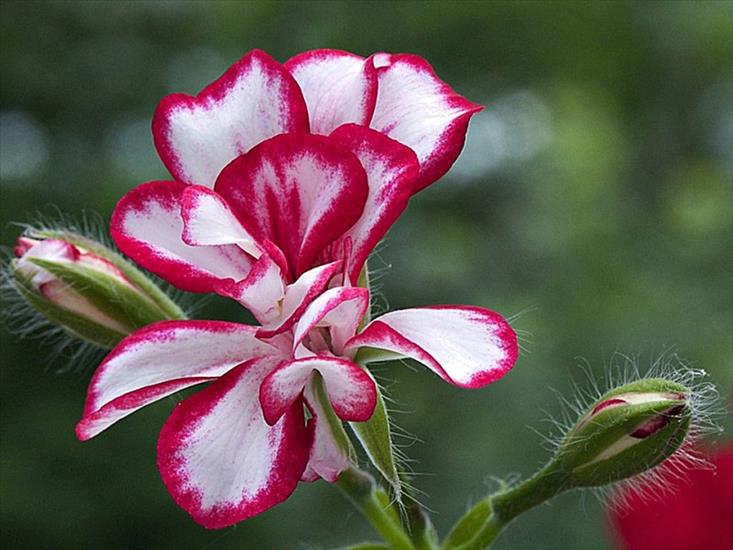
(221, 461)
(418, 109)
(340, 309)
(255, 99)
(161, 359)
(338, 87)
(466, 346)
(299, 191)
(147, 226)
(392, 170)
(350, 390)
(297, 297)
(327, 458)
(260, 292)
(208, 220)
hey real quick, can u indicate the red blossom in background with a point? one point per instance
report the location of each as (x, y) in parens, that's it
(696, 513)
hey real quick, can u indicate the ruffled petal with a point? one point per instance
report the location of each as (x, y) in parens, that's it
(392, 169)
(338, 87)
(418, 109)
(147, 226)
(208, 220)
(255, 99)
(340, 310)
(466, 346)
(261, 291)
(297, 297)
(159, 360)
(299, 191)
(221, 461)
(350, 390)
(327, 458)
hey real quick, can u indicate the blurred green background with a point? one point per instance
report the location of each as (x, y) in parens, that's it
(592, 201)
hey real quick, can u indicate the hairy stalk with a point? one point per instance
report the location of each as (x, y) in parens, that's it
(510, 503)
(374, 503)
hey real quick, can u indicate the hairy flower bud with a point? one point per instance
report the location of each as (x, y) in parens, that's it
(86, 288)
(626, 432)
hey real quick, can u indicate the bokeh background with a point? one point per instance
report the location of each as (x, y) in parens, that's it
(592, 203)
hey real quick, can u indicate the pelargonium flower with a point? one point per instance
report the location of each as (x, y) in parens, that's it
(387, 127)
(241, 445)
(286, 177)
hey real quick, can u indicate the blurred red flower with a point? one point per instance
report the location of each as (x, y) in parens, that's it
(696, 515)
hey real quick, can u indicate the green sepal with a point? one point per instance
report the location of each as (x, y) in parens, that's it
(375, 436)
(135, 276)
(468, 525)
(644, 455)
(363, 282)
(76, 325)
(334, 422)
(107, 293)
(580, 455)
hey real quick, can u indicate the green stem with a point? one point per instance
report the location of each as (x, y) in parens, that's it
(361, 489)
(508, 504)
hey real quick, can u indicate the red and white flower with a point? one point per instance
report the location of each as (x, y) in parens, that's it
(286, 177)
(310, 162)
(241, 445)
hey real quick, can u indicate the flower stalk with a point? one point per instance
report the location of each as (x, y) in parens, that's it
(374, 503)
(626, 432)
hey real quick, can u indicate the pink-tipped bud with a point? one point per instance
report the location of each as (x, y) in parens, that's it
(626, 432)
(86, 288)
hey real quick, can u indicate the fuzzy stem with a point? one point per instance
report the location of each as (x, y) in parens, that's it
(507, 505)
(361, 489)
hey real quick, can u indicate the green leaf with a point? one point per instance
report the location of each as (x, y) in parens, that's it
(375, 437)
(468, 525)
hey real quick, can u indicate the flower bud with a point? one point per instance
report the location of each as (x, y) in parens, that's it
(626, 432)
(86, 288)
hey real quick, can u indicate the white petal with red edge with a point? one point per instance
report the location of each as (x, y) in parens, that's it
(255, 99)
(161, 359)
(261, 292)
(147, 226)
(221, 461)
(340, 310)
(418, 109)
(466, 346)
(327, 458)
(338, 87)
(208, 220)
(392, 169)
(350, 390)
(298, 295)
(299, 191)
